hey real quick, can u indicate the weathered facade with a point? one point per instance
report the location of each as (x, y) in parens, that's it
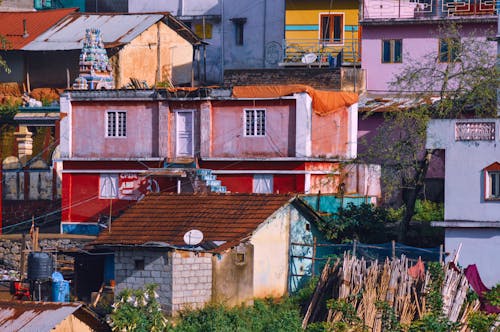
(244, 252)
(471, 211)
(177, 141)
(154, 48)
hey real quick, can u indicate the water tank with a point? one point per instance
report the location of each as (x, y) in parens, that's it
(40, 266)
(60, 288)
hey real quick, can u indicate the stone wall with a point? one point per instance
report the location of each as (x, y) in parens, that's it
(10, 246)
(192, 279)
(156, 268)
(320, 78)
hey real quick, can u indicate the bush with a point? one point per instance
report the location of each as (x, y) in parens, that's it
(264, 315)
(137, 310)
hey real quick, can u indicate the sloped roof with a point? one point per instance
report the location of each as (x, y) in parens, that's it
(225, 219)
(11, 25)
(117, 30)
(42, 316)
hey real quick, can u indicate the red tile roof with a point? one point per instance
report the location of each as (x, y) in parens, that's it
(11, 25)
(167, 217)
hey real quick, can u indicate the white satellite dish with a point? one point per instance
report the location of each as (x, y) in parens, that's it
(193, 237)
(309, 58)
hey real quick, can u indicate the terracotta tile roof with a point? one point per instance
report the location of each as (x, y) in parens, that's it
(167, 217)
(37, 22)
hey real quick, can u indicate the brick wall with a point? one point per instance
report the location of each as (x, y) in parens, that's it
(157, 270)
(192, 279)
(320, 78)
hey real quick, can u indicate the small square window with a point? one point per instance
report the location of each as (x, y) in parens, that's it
(240, 258)
(449, 49)
(392, 50)
(108, 186)
(203, 31)
(255, 122)
(116, 124)
(263, 184)
(139, 264)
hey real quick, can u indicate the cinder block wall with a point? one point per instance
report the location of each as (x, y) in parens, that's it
(192, 280)
(320, 78)
(157, 270)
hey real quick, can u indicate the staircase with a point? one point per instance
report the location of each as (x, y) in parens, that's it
(209, 181)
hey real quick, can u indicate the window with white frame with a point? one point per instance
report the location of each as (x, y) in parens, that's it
(116, 124)
(255, 122)
(263, 183)
(492, 185)
(108, 186)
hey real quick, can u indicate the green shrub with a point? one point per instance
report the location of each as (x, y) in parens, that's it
(137, 310)
(428, 211)
(493, 296)
(264, 315)
(481, 322)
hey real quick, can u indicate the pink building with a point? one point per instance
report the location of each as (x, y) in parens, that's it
(118, 145)
(398, 32)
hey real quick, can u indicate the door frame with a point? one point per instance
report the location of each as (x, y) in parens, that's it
(177, 133)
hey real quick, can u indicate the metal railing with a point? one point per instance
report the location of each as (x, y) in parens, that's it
(317, 52)
(428, 9)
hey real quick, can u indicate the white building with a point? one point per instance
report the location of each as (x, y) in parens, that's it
(472, 191)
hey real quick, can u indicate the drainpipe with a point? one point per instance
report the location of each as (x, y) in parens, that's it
(223, 20)
(498, 61)
(264, 36)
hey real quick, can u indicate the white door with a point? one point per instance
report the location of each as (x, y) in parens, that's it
(184, 128)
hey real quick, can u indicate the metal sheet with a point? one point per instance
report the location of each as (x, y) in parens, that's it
(68, 34)
(34, 316)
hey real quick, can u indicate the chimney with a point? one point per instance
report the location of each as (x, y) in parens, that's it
(25, 29)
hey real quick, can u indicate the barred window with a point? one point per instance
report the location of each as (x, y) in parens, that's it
(116, 124)
(255, 122)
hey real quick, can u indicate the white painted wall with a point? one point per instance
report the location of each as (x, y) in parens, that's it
(270, 241)
(480, 246)
(464, 161)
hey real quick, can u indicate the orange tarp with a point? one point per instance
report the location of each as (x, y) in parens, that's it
(323, 102)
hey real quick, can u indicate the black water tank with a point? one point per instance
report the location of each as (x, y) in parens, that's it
(40, 265)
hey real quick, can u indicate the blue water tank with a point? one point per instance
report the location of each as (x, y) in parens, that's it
(60, 288)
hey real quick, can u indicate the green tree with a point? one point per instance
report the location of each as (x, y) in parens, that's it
(427, 88)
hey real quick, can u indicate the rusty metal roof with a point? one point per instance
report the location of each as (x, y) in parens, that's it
(224, 219)
(34, 316)
(12, 28)
(117, 30)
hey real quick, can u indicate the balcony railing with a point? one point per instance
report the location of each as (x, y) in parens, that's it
(475, 131)
(320, 53)
(428, 9)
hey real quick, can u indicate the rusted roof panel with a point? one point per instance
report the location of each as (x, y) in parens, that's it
(165, 218)
(12, 27)
(34, 316)
(117, 29)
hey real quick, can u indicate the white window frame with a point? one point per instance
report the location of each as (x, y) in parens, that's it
(256, 183)
(118, 132)
(255, 132)
(108, 186)
(490, 183)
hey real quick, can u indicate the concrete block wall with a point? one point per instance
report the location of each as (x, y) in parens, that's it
(192, 280)
(157, 270)
(319, 78)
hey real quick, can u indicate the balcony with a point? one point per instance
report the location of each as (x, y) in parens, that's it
(376, 10)
(318, 53)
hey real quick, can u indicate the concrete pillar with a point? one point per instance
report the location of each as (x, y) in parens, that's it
(24, 144)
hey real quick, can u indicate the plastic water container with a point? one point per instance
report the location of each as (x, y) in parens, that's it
(60, 288)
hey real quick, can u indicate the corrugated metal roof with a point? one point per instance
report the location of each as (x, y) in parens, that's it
(34, 316)
(117, 29)
(11, 25)
(226, 219)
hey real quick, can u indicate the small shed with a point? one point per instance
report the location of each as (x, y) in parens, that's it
(244, 252)
(48, 316)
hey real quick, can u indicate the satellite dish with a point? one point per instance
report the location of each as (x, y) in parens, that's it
(309, 58)
(193, 237)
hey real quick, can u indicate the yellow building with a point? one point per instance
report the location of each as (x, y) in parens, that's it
(322, 27)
